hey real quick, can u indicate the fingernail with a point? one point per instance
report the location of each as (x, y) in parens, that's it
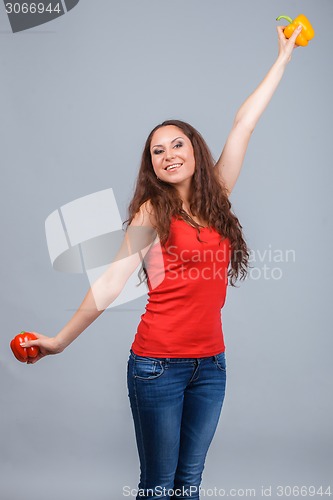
(22, 345)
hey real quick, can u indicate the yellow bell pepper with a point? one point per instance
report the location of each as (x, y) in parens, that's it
(305, 35)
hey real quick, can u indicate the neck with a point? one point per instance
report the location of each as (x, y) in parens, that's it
(184, 191)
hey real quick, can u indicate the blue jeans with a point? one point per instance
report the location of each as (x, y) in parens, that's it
(176, 404)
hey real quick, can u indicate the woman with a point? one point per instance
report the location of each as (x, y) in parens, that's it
(181, 223)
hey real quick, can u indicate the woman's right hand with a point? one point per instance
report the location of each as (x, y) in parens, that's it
(46, 345)
(287, 45)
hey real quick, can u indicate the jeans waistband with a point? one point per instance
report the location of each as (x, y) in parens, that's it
(174, 360)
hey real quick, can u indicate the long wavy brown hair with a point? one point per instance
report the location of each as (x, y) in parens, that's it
(208, 200)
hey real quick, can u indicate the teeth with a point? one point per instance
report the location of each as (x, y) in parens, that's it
(170, 167)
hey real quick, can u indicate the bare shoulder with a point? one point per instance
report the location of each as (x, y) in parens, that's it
(145, 216)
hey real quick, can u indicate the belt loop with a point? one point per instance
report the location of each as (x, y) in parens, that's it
(166, 362)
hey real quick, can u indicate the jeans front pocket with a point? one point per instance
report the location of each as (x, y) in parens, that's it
(147, 369)
(220, 361)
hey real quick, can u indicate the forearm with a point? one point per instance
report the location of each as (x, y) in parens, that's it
(87, 313)
(253, 107)
(109, 285)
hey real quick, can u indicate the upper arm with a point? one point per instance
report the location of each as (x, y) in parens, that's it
(138, 238)
(231, 160)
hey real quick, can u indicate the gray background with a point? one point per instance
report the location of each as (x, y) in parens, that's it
(78, 98)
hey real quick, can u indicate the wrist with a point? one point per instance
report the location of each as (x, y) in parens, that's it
(59, 343)
(281, 62)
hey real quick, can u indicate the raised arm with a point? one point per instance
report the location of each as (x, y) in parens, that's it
(138, 238)
(231, 160)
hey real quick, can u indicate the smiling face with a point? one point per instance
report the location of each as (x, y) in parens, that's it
(172, 156)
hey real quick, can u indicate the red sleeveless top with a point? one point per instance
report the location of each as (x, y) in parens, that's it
(187, 281)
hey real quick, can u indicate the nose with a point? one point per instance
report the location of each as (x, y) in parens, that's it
(170, 154)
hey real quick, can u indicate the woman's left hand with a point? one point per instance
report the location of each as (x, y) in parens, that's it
(287, 45)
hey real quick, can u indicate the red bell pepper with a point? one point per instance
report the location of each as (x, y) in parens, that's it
(23, 354)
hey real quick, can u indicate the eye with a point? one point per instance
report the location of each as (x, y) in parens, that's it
(178, 145)
(157, 151)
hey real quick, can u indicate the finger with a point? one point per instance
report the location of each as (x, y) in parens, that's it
(281, 29)
(32, 361)
(296, 33)
(30, 343)
(38, 335)
(281, 36)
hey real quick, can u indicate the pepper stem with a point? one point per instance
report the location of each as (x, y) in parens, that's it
(284, 17)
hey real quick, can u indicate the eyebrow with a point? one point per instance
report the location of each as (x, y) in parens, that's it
(161, 146)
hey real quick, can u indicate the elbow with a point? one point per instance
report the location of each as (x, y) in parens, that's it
(245, 125)
(104, 293)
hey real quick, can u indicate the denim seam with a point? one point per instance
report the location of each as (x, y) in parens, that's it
(140, 425)
(154, 375)
(195, 373)
(222, 368)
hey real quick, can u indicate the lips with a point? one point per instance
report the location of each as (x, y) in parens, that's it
(173, 167)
